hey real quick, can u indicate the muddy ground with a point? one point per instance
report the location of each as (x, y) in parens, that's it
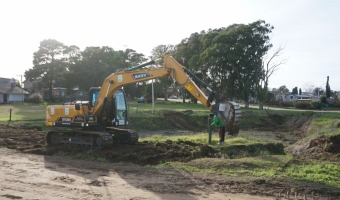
(37, 170)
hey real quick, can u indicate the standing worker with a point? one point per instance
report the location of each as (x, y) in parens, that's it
(220, 125)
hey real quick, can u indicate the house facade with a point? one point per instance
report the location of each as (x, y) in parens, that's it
(9, 93)
(296, 98)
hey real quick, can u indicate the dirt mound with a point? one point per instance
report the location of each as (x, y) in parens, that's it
(299, 125)
(322, 147)
(154, 153)
(33, 141)
(294, 125)
(180, 120)
(271, 122)
(21, 138)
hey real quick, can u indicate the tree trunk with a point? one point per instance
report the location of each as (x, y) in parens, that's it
(246, 103)
(261, 106)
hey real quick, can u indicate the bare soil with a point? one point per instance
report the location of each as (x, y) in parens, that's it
(31, 170)
(30, 176)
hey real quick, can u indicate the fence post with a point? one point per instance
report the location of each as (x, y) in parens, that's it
(10, 116)
(209, 128)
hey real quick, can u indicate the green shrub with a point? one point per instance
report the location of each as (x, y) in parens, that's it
(316, 105)
(35, 98)
(303, 105)
(286, 104)
(323, 99)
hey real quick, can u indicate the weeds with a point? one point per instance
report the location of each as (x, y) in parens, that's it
(326, 173)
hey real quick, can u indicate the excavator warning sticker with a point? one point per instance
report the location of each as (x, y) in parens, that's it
(188, 87)
(120, 78)
(67, 111)
(52, 110)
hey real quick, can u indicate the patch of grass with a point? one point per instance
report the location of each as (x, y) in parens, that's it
(233, 148)
(261, 166)
(143, 117)
(267, 167)
(253, 117)
(22, 112)
(201, 138)
(165, 105)
(327, 124)
(325, 173)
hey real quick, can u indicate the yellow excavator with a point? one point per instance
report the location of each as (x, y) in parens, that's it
(94, 123)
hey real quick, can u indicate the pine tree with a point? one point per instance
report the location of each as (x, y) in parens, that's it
(328, 88)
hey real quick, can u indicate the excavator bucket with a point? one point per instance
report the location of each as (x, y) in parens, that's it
(230, 114)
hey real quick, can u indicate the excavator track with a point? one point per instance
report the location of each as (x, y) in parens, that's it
(80, 138)
(91, 139)
(123, 136)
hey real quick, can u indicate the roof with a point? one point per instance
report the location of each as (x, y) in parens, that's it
(12, 90)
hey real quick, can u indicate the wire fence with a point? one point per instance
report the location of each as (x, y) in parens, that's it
(22, 113)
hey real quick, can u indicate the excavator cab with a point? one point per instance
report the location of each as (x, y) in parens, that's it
(120, 111)
(115, 108)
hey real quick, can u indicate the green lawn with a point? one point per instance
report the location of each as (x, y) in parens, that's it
(23, 112)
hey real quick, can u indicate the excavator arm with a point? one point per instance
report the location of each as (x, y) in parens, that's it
(228, 112)
(171, 68)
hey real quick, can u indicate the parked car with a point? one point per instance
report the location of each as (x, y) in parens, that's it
(141, 99)
(173, 97)
(145, 99)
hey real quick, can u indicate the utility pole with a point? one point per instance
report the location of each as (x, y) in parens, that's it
(153, 98)
(22, 90)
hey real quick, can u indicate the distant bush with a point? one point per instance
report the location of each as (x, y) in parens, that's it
(303, 105)
(35, 98)
(316, 105)
(323, 99)
(287, 104)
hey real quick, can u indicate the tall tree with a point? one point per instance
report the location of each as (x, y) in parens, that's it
(283, 90)
(270, 64)
(318, 91)
(295, 90)
(132, 58)
(99, 62)
(309, 88)
(49, 64)
(188, 53)
(164, 82)
(235, 57)
(328, 88)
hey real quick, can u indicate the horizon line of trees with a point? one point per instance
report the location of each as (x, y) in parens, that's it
(233, 60)
(309, 89)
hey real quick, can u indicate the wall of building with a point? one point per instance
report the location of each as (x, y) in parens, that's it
(15, 97)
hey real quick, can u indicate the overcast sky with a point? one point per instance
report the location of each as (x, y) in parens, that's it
(308, 29)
